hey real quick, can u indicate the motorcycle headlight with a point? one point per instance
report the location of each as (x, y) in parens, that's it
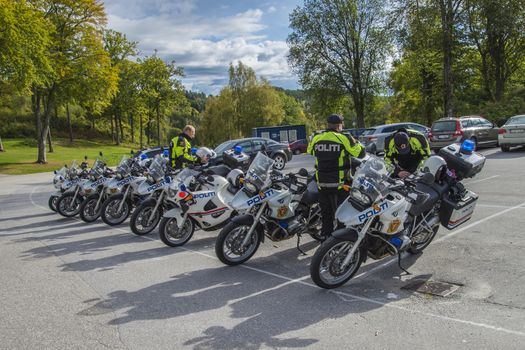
(113, 190)
(150, 179)
(360, 197)
(88, 190)
(250, 187)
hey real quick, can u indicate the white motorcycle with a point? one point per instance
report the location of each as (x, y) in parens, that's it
(271, 205)
(205, 208)
(64, 179)
(123, 191)
(94, 191)
(384, 216)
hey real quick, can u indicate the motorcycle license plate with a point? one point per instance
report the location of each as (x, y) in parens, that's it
(443, 137)
(516, 131)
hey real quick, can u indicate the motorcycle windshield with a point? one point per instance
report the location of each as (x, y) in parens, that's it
(259, 172)
(124, 167)
(186, 174)
(62, 172)
(98, 168)
(371, 177)
(156, 169)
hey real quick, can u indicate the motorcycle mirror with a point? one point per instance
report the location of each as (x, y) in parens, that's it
(100, 153)
(54, 172)
(427, 179)
(85, 157)
(303, 172)
(371, 148)
(132, 152)
(210, 178)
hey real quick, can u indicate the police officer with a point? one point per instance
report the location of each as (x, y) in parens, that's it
(332, 151)
(180, 149)
(406, 150)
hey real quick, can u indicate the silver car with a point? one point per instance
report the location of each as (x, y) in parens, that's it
(377, 134)
(512, 133)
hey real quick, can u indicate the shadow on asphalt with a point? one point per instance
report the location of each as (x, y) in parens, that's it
(516, 152)
(24, 216)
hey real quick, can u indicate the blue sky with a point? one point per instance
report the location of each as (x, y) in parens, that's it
(204, 36)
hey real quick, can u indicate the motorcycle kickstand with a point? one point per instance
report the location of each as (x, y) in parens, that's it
(399, 263)
(298, 242)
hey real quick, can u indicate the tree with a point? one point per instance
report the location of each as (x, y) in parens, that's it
(344, 42)
(76, 32)
(160, 89)
(450, 11)
(495, 28)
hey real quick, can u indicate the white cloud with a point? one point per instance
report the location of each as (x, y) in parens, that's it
(271, 9)
(204, 46)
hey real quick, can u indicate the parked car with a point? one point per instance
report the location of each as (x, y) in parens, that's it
(377, 134)
(299, 146)
(354, 132)
(151, 152)
(512, 133)
(279, 152)
(447, 131)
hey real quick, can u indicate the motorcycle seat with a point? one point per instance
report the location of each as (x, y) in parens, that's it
(311, 195)
(424, 202)
(221, 170)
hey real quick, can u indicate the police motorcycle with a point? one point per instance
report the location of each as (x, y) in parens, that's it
(202, 199)
(94, 190)
(63, 179)
(270, 204)
(122, 191)
(68, 204)
(384, 217)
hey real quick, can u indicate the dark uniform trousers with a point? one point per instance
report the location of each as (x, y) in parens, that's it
(329, 201)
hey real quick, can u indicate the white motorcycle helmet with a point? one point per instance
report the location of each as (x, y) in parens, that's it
(205, 153)
(436, 166)
(234, 177)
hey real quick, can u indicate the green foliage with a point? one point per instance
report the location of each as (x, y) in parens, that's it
(24, 39)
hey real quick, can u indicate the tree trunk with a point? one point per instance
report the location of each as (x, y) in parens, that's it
(447, 26)
(132, 128)
(117, 139)
(40, 132)
(112, 130)
(120, 125)
(158, 125)
(69, 124)
(148, 130)
(1, 145)
(50, 144)
(359, 105)
(141, 133)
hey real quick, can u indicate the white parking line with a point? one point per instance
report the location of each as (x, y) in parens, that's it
(481, 180)
(353, 296)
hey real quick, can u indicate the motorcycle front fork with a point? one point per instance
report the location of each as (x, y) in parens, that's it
(123, 199)
(75, 196)
(252, 228)
(361, 235)
(159, 200)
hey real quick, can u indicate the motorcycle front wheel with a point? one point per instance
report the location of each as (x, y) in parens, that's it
(326, 267)
(140, 223)
(109, 211)
(87, 208)
(52, 203)
(170, 234)
(65, 205)
(228, 246)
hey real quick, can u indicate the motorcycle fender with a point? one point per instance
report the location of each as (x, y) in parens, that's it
(351, 234)
(56, 194)
(152, 201)
(177, 214)
(247, 219)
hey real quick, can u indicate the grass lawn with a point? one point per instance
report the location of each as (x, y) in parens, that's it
(20, 155)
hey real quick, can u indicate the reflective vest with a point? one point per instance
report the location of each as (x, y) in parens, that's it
(419, 152)
(180, 152)
(332, 152)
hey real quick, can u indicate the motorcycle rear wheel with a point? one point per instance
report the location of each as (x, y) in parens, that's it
(52, 203)
(227, 246)
(417, 248)
(324, 268)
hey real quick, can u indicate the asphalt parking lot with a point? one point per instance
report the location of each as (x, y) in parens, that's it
(68, 284)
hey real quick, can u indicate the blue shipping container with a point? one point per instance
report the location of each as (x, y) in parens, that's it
(285, 133)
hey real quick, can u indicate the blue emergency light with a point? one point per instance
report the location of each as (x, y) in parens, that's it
(193, 150)
(237, 149)
(166, 153)
(143, 156)
(467, 146)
